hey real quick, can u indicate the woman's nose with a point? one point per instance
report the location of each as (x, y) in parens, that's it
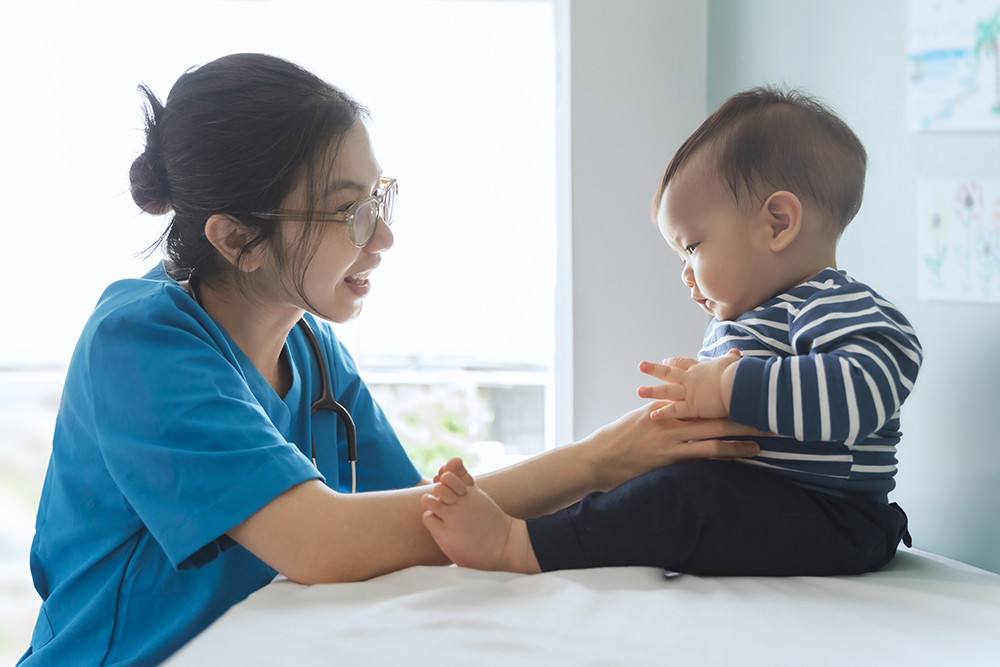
(382, 239)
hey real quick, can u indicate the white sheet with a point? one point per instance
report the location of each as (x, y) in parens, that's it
(920, 610)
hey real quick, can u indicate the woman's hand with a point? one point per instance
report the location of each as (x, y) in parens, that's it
(636, 444)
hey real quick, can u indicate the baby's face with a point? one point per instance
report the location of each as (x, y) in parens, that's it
(726, 259)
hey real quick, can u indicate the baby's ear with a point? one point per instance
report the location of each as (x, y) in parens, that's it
(782, 215)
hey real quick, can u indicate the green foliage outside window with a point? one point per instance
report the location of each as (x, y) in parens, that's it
(435, 423)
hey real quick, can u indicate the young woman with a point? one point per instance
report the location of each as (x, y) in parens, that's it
(187, 469)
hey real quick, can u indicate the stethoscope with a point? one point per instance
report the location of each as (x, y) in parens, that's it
(326, 401)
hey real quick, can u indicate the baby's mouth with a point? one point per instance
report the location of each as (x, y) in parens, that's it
(707, 305)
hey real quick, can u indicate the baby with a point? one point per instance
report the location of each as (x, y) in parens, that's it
(753, 203)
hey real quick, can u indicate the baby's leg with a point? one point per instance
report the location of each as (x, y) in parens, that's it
(718, 518)
(471, 529)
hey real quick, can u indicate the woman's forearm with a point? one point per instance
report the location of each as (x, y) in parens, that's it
(312, 534)
(544, 483)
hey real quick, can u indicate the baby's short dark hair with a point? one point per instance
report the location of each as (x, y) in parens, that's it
(767, 139)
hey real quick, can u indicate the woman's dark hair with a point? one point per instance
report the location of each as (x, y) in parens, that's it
(235, 137)
(771, 138)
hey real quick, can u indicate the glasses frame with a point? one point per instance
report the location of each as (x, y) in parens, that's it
(348, 216)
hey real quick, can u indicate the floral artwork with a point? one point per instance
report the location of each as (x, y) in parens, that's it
(958, 232)
(953, 64)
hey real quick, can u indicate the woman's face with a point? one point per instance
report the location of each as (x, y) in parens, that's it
(337, 277)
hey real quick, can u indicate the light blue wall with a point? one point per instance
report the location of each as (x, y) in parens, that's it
(637, 88)
(852, 54)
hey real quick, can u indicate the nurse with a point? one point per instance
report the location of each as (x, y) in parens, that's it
(182, 476)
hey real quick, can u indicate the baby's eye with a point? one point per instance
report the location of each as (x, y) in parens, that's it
(690, 249)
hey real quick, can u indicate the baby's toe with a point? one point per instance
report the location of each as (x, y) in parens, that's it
(432, 504)
(445, 493)
(454, 483)
(457, 467)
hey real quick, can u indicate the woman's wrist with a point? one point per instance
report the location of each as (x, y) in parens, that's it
(594, 457)
(726, 381)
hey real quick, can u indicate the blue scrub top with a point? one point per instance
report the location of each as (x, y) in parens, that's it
(167, 437)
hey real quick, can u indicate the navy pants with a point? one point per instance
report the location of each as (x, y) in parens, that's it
(720, 518)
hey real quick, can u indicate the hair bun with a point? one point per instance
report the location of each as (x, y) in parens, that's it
(149, 185)
(148, 175)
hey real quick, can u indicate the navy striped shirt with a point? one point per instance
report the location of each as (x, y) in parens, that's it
(825, 366)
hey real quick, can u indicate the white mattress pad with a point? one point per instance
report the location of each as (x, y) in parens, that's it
(921, 609)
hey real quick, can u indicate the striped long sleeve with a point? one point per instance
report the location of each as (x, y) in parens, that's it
(826, 367)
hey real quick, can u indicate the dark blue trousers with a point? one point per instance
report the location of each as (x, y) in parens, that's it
(720, 518)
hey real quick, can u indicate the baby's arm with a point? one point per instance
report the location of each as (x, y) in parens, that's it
(697, 389)
(854, 359)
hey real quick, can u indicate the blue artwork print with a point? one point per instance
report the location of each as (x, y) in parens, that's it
(954, 65)
(958, 233)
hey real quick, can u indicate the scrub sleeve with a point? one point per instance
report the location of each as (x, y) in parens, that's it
(191, 437)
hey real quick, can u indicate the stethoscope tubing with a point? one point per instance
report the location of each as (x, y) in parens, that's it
(326, 401)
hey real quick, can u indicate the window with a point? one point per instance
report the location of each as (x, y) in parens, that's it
(457, 336)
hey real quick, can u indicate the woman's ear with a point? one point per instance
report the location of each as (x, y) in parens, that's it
(230, 237)
(782, 214)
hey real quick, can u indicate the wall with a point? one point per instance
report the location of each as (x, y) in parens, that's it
(852, 54)
(637, 87)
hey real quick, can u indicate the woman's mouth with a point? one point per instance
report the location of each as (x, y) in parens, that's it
(359, 282)
(359, 278)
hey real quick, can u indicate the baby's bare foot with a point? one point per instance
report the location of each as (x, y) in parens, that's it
(456, 466)
(471, 529)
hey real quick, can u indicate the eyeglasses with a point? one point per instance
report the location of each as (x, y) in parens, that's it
(361, 218)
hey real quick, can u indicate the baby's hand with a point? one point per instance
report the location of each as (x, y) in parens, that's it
(696, 389)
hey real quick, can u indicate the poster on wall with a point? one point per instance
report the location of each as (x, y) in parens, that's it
(953, 65)
(958, 237)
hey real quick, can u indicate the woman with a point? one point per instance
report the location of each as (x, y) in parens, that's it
(182, 475)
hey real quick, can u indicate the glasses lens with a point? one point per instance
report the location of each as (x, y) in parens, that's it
(364, 222)
(388, 203)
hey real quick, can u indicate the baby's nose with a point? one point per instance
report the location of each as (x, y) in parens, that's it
(687, 276)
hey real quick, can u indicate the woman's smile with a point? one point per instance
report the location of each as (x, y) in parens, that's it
(359, 282)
